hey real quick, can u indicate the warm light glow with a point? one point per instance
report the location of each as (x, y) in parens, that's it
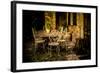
(47, 30)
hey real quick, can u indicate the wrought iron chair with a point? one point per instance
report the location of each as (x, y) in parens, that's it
(53, 43)
(37, 41)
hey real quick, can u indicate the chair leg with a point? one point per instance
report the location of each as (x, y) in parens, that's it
(35, 49)
(43, 48)
(50, 51)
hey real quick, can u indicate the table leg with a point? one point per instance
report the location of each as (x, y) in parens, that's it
(58, 50)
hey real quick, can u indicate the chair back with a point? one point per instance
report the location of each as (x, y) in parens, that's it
(33, 33)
